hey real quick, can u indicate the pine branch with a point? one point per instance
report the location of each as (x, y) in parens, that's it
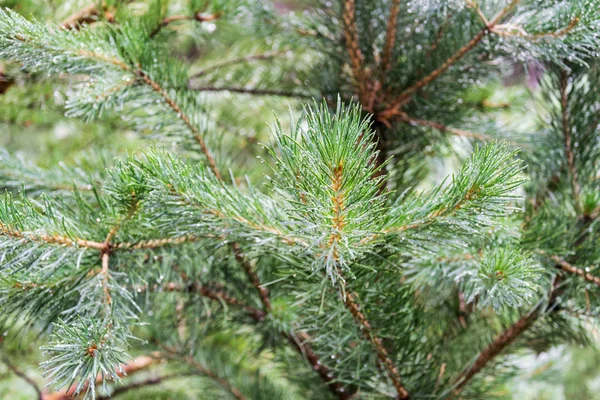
(390, 38)
(252, 91)
(23, 376)
(570, 156)
(397, 104)
(565, 266)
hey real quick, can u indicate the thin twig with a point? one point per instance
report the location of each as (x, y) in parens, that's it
(444, 128)
(186, 120)
(252, 91)
(23, 376)
(155, 380)
(390, 37)
(250, 58)
(382, 353)
(200, 17)
(353, 47)
(566, 125)
(85, 15)
(405, 96)
(502, 341)
(138, 364)
(565, 266)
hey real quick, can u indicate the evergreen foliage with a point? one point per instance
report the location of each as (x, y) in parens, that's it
(330, 263)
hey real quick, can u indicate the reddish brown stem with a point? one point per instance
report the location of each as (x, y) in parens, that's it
(390, 38)
(568, 141)
(565, 266)
(405, 96)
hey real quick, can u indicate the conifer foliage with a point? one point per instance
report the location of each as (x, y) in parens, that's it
(333, 265)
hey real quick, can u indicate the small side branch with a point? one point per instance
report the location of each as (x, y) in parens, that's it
(240, 60)
(405, 96)
(353, 46)
(502, 341)
(566, 125)
(186, 120)
(200, 17)
(85, 15)
(382, 353)
(444, 128)
(23, 376)
(565, 266)
(390, 38)
(252, 91)
(224, 383)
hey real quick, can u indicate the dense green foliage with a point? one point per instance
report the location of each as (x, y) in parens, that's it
(429, 207)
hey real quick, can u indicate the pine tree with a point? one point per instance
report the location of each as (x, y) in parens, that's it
(334, 264)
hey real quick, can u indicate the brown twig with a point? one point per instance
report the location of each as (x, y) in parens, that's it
(218, 295)
(565, 266)
(443, 128)
(390, 37)
(200, 17)
(224, 383)
(566, 125)
(85, 15)
(139, 364)
(353, 47)
(246, 59)
(382, 353)
(404, 97)
(23, 376)
(338, 223)
(252, 91)
(186, 120)
(502, 341)
(155, 380)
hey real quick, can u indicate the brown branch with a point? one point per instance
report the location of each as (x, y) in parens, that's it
(200, 17)
(186, 120)
(512, 30)
(218, 295)
(504, 340)
(353, 47)
(252, 276)
(564, 101)
(565, 266)
(85, 15)
(382, 353)
(224, 383)
(23, 376)
(444, 128)
(496, 347)
(155, 380)
(252, 91)
(338, 222)
(405, 96)
(250, 58)
(390, 38)
(5, 81)
(138, 364)
(50, 239)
